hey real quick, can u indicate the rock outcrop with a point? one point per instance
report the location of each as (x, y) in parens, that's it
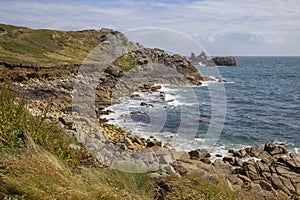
(272, 168)
(224, 61)
(150, 66)
(202, 60)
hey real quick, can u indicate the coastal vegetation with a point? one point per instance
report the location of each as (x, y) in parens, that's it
(39, 161)
(47, 48)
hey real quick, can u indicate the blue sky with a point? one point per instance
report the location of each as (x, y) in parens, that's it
(222, 27)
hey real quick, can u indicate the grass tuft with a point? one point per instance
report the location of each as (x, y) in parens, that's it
(18, 126)
(126, 62)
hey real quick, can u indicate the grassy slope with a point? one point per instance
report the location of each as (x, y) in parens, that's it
(37, 162)
(45, 47)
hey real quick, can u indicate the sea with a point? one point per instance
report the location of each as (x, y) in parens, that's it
(258, 102)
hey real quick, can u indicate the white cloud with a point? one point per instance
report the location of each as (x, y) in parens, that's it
(211, 23)
(212, 38)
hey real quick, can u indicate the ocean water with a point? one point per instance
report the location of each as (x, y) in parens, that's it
(260, 100)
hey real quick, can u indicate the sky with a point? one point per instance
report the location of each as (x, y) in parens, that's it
(221, 27)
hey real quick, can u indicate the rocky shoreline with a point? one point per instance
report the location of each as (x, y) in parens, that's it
(269, 172)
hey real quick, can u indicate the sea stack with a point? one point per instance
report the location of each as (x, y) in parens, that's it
(224, 61)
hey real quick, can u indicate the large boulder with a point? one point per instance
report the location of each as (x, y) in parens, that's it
(225, 61)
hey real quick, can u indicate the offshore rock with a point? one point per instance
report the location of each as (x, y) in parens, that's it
(224, 61)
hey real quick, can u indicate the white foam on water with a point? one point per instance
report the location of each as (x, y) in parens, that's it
(206, 83)
(250, 158)
(121, 117)
(201, 64)
(169, 97)
(215, 81)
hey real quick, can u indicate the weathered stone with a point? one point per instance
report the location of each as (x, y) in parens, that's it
(134, 96)
(250, 170)
(245, 178)
(233, 178)
(180, 169)
(201, 59)
(253, 151)
(297, 186)
(266, 175)
(275, 150)
(224, 61)
(105, 112)
(243, 153)
(221, 167)
(138, 141)
(146, 104)
(266, 186)
(129, 144)
(269, 146)
(152, 143)
(165, 159)
(67, 121)
(205, 160)
(229, 160)
(199, 153)
(255, 189)
(122, 146)
(170, 170)
(284, 171)
(293, 162)
(184, 156)
(262, 167)
(276, 182)
(273, 169)
(167, 145)
(287, 183)
(240, 153)
(266, 157)
(114, 71)
(238, 170)
(238, 162)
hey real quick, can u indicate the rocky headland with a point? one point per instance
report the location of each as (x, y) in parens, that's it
(258, 172)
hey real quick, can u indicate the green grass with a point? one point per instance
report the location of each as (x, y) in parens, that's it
(194, 188)
(37, 162)
(51, 48)
(126, 62)
(17, 125)
(21, 45)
